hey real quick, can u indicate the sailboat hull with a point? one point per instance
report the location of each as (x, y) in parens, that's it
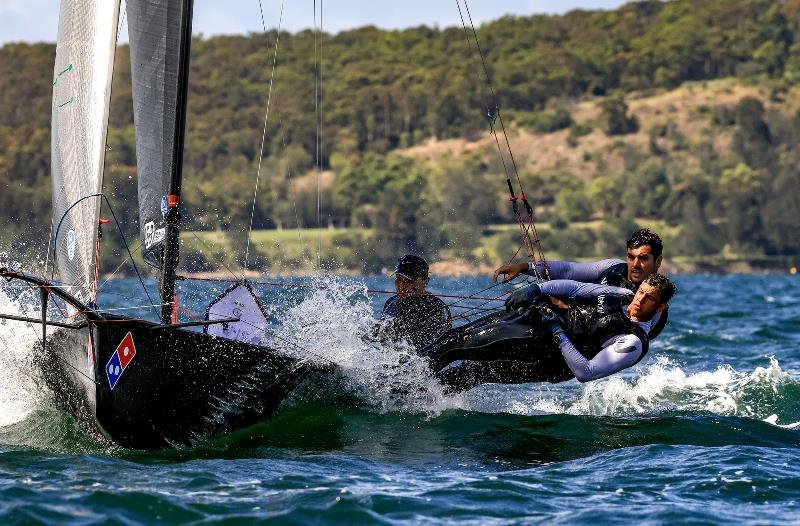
(174, 387)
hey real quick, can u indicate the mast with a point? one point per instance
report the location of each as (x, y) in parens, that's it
(169, 304)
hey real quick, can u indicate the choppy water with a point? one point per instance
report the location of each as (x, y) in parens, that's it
(706, 429)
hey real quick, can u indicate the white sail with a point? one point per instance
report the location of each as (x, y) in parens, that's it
(87, 33)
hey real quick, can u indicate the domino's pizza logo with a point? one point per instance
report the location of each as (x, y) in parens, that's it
(120, 360)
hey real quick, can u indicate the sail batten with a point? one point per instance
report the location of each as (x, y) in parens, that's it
(82, 74)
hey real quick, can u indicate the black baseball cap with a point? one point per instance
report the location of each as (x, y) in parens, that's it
(411, 267)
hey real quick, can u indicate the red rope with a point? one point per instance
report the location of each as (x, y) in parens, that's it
(189, 313)
(316, 287)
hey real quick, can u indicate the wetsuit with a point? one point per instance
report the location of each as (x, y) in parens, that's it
(598, 340)
(419, 319)
(605, 339)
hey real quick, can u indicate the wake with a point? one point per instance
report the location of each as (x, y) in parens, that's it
(332, 321)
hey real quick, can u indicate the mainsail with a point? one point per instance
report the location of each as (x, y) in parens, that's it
(154, 30)
(84, 63)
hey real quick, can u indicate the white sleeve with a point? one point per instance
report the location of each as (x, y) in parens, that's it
(618, 353)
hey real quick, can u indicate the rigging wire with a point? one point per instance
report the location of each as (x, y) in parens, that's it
(119, 267)
(493, 114)
(318, 111)
(236, 278)
(266, 120)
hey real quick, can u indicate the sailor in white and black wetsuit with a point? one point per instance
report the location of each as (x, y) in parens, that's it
(597, 333)
(644, 257)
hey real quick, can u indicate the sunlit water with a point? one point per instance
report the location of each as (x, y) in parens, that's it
(703, 430)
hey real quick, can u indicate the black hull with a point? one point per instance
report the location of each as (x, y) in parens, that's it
(499, 348)
(180, 387)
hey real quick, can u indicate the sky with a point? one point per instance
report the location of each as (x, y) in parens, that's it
(37, 20)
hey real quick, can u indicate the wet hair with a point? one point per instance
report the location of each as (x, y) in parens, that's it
(644, 237)
(666, 288)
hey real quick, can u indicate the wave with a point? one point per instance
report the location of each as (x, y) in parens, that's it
(766, 393)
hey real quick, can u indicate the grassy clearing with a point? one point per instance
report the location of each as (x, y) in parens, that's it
(348, 249)
(276, 251)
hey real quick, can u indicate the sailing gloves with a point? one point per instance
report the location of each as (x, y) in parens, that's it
(551, 321)
(523, 298)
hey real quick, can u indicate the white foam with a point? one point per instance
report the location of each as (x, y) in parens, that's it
(664, 386)
(331, 322)
(19, 392)
(332, 325)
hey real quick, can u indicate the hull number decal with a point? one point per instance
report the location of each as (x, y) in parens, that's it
(119, 361)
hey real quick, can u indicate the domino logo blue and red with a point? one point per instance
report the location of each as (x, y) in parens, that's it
(119, 361)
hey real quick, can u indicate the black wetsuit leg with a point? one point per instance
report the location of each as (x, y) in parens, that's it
(501, 348)
(495, 337)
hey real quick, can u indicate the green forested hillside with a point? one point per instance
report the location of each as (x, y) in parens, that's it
(682, 114)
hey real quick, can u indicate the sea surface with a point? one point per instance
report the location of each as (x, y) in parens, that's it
(705, 430)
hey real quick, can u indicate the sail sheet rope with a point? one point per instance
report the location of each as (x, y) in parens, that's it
(103, 198)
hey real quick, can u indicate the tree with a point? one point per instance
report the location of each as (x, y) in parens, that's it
(741, 188)
(753, 139)
(615, 113)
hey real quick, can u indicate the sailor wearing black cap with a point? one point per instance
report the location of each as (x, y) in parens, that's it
(413, 313)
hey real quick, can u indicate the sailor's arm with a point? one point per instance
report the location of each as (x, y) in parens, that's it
(562, 288)
(567, 288)
(619, 353)
(585, 272)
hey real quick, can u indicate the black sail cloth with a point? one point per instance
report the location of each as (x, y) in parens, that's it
(154, 30)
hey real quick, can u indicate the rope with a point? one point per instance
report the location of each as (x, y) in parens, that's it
(116, 270)
(494, 114)
(119, 228)
(264, 131)
(236, 279)
(370, 291)
(66, 316)
(479, 308)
